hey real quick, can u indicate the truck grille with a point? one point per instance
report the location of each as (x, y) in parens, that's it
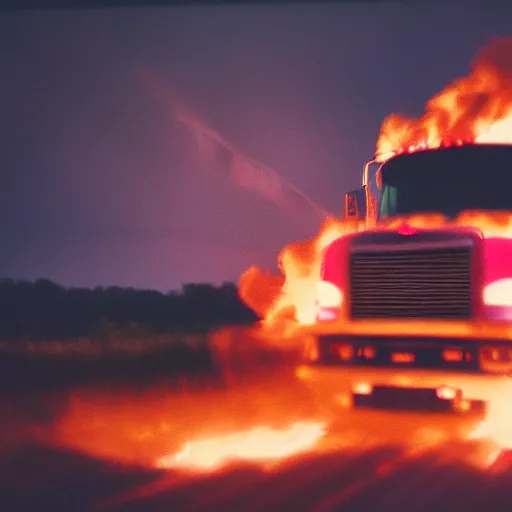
(421, 283)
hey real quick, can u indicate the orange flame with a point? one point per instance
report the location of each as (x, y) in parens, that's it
(256, 445)
(476, 108)
(196, 431)
(282, 301)
(497, 426)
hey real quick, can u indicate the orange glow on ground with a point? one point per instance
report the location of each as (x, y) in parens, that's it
(205, 431)
(259, 444)
(199, 430)
(497, 426)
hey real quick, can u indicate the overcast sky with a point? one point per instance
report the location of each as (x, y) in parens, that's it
(98, 186)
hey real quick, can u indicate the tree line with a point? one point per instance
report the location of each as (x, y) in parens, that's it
(45, 310)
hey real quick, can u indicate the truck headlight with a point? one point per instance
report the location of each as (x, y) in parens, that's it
(498, 293)
(329, 299)
(328, 295)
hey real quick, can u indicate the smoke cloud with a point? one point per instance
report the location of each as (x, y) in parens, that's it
(214, 151)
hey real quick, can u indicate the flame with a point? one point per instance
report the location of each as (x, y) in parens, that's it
(258, 444)
(497, 425)
(284, 300)
(198, 431)
(475, 108)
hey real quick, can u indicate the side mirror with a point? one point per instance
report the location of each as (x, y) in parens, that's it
(355, 204)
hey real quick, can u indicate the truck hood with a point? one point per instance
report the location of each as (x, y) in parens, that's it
(405, 235)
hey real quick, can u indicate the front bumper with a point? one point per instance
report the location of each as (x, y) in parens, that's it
(372, 361)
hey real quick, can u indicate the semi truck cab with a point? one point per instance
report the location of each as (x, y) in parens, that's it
(419, 311)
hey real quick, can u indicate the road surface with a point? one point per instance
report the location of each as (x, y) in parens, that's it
(93, 451)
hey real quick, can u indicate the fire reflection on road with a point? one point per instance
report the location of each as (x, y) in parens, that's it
(159, 428)
(262, 424)
(271, 427)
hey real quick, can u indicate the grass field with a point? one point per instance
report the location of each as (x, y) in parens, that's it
(183, 359)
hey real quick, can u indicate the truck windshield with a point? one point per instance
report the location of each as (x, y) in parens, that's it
(447, 181)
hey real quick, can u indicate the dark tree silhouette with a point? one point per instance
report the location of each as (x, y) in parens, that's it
(44, 310)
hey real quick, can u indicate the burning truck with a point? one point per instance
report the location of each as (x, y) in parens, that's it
(408, 310)
(410, 295)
